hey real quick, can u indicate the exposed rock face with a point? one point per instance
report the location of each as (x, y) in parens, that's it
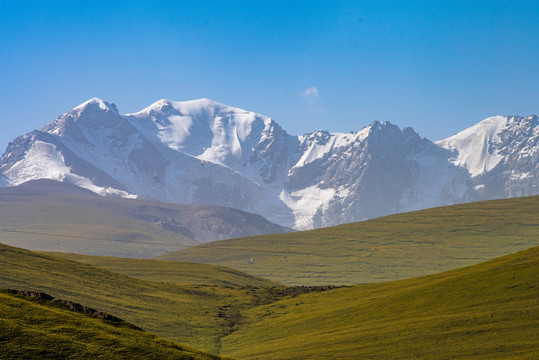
(209, 153)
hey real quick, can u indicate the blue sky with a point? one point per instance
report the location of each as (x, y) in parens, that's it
(437, 66)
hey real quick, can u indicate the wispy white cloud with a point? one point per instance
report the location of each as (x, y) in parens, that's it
(311, 94)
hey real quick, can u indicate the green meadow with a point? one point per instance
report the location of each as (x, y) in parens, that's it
(389, 248)
(174, 272)
(486, 311)
(489, 310)
(196, 315)
(33, 328)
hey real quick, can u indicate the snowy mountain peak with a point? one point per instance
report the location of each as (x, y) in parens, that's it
(383, 129)
(376, 126)
(92, 114)
(380, 134)
(206, 129)
(379, 124)
(96, 103)
(475, 147)
(501, 154)
(191, 107)
(202, 151)
(167, 112)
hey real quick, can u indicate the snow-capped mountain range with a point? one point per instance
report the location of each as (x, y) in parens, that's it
(202, 151)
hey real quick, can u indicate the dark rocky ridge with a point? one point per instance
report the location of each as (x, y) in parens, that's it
(66, 304)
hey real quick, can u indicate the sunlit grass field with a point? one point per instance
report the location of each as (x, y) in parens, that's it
(490, 310)
(486, 311)
(190, 314)
(174, 272)
(388, 248)
(32, 328)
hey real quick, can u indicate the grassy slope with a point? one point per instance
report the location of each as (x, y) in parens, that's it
(175, 272)
(389, 248)
(490, 310)
(48, 225)
(35, 329)
(195, 315)
(51, 216)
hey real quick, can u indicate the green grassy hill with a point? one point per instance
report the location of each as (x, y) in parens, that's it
(490, 310)
(486, 311)
(34, 328)
(388, 248)
(175, 272)
(195, 315)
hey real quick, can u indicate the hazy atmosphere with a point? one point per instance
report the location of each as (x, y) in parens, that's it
(437, 66)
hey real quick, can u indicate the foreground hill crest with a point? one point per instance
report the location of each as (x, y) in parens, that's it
(202, 151)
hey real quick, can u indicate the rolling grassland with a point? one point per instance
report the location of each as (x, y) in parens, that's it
(174, 272)
(35, 328)
(489, 310)
(393, 247)
(194, 315)
(486, 311)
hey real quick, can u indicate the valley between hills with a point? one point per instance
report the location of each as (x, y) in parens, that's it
(444, 283)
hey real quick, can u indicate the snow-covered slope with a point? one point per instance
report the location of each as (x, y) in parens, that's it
(205, 152)
(243, 141)
(501, 154)
(476, 146)
(375, 171)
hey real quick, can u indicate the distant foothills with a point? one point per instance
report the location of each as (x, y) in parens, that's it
(204, 152)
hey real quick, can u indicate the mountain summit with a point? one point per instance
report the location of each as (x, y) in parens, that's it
(501, 154)
(202, 151)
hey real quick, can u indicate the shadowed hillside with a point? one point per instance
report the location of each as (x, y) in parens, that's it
(52, 216)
